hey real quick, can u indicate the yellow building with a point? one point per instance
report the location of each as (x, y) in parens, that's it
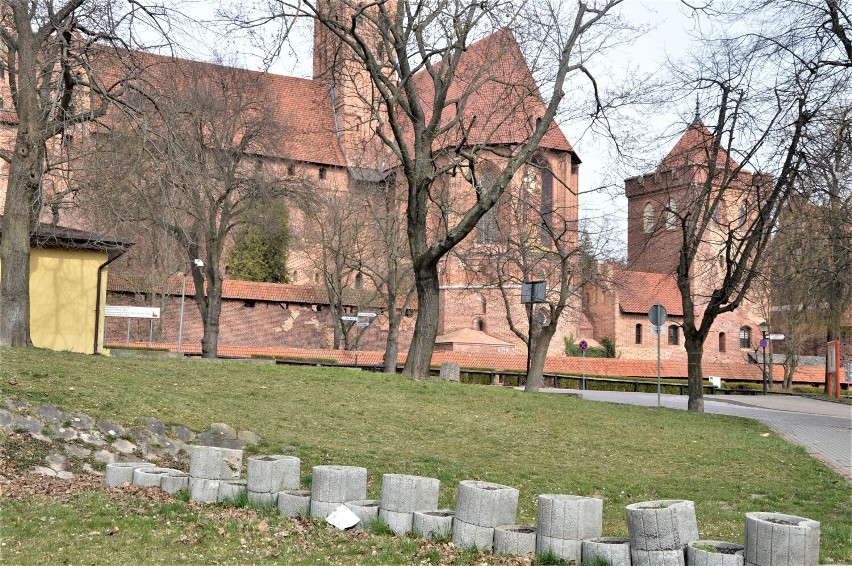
(68, 270)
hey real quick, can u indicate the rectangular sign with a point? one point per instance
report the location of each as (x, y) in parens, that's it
(777, 336)
(656, 329)
(362, 324)
(349, 318)
(121, 311)
(366, 314)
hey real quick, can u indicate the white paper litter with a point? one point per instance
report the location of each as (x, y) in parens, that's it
(343, 518)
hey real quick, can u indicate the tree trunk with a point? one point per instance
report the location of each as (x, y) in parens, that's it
(694, 354)
(538, 357)
(210, 340)
(392, 344)
(426, 328)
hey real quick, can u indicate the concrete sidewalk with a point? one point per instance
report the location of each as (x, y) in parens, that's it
(823, 428)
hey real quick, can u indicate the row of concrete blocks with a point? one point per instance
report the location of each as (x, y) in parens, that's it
(665, 533)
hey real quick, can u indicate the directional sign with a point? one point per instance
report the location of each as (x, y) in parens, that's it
(349, 318)
(121, 311)
(362, 324)
(657, 315)
(777, 336)
(366, 315)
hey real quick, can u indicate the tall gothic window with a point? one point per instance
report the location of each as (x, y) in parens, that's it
(648, 218)
(638, 337)
(671, 215)
(487, 229)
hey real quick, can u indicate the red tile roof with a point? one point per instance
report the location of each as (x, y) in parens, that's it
(505, 100)
(694, 147)
(638, 291)
(300, 108)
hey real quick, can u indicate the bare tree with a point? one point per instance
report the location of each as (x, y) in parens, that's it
(212, 166)
(53, 54)
(766, 96)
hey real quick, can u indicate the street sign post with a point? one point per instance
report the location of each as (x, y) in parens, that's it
(658, 315)
(583, 347)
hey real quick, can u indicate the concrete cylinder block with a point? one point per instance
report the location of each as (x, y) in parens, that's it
(613, 550)
(570, 516)
(367, 510)
(119, 473)
(514, 540)
(271, 474)
(338, 484)
(433, 524)
(407, 494)
(262, 498)
(294, 503)
(657, 557)
(322, 509)
(667, 524)
(231, 490)
(775, 539)
(714, 553)
(147, 477)
(486, 504)
(562, 548)
(212, 463)
(397, 521)
(467, 535)
(204, 490)
(175, 481)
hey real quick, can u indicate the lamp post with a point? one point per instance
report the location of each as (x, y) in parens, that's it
(764, 330)
(195, 263)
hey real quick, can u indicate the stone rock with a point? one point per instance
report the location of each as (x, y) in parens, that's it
(182, 433)
(248, 437)
(81, 421)
(42, 471)
(28, 424)
(138, 434)
(218, 440)
(42, 438)
(65, 475)
(156, 426)
(164, 442)
(105, 457)
(450, 371)
(5, 417)
(110, 428)
(223, 429)
(17, 405)
(124, 446)
(77, 451)
(93, 438)
(56, 462)
(62, 433)
(50, 414)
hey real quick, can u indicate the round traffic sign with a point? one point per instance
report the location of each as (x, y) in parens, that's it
(583, 345)
(658, 315)
(764, 343)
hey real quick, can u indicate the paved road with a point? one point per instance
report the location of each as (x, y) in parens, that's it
(823, 428)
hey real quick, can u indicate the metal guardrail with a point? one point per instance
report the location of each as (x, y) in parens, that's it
(498, 378)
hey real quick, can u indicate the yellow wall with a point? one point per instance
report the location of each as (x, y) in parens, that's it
(63, 285)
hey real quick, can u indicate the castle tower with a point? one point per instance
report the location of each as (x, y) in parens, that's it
(357, 107)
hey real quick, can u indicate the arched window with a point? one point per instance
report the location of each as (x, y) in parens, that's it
(743, 213)
(483, 304)
(487, 228)
(648, 219)
(638, 336)
(546, 208)
(359, 281)
(745, 337)
(674, 335)
(671, 215)
(480, 324)
(721, 342)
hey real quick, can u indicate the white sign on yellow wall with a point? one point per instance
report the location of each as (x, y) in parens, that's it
(120, 311)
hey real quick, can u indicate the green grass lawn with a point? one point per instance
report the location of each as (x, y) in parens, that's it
(536, 443)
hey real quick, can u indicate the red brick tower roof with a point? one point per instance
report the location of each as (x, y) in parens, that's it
(694, 147)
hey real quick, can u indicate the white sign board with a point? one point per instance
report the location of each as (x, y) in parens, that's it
(656, 329)
(349, 318)
(715, 380)
(777, 336)
(366, 315)
(121, 311)
(362, 324)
